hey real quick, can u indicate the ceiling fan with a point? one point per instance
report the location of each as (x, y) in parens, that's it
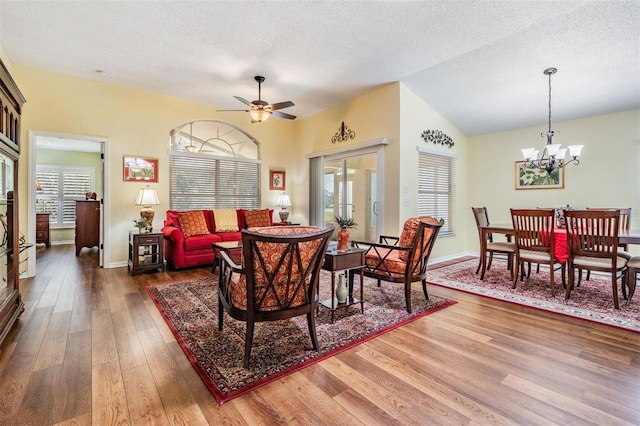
(261, 110)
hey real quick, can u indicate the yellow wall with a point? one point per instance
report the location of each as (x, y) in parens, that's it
(608, 174)
(134, 122)
(416, 117)
(373, 115)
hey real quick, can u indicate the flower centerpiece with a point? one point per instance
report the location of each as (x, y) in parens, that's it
(345, 223)
(141, 223)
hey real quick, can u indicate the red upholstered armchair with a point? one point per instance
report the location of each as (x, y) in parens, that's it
(278, 280)
(402, 259)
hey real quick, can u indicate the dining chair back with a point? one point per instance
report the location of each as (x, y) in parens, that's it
(277, 279)
(592, 236)
(505, 249)
(534, 240)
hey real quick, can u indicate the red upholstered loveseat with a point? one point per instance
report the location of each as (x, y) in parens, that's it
(182, 251)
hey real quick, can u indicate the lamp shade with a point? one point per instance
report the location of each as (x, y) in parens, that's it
(283, 201)
(147, 197)
(259, 115)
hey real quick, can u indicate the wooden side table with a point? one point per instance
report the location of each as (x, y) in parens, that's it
(146, 251)
(334, 261)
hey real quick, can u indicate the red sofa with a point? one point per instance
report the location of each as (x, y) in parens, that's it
(195, 250)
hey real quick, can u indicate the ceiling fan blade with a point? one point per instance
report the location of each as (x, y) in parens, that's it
(243, 100)
(284, 115)
(243, 110)
(281, 105)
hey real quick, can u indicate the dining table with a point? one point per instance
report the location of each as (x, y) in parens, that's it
(561, 249)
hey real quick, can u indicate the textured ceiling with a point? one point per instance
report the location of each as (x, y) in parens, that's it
(479, 63)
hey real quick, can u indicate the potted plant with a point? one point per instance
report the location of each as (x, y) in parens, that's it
(345, 223)
(141, 223)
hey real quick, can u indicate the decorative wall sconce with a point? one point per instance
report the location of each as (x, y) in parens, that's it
(437, 137)
(344, 134)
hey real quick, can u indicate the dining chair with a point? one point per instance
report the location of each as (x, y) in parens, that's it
(503, 248)
(534, 241)
(277, 279)
(593, 245)
(402, 259)
(624, 224)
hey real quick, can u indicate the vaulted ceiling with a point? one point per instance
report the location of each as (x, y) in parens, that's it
(479, 63)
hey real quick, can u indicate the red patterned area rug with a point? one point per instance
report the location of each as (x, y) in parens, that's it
(282, 347)
(592, 301)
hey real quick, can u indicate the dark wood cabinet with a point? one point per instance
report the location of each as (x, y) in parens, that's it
(11, 101)
(42, 229)
(87, 224)
(146, 251)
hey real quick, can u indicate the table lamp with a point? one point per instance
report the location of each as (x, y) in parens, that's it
(147, 197)
(283, 201)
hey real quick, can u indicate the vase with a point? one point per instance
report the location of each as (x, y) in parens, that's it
(343, 239)
(342, 291)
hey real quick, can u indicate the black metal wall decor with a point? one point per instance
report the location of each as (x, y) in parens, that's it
(437, 137)
(344, 134)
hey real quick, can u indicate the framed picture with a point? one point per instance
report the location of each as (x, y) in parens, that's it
(535, 178)
(137, 169)
(276, 180)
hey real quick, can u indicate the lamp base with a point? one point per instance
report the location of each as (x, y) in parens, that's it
(284, 215)
(148, 213)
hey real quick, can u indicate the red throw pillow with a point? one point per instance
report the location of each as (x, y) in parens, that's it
(192, 223)
(257, 218)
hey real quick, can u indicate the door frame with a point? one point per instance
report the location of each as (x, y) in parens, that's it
(316, 171)
(31, 193)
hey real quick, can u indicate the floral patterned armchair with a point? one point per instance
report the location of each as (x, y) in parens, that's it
(402, 259)
(278, 278)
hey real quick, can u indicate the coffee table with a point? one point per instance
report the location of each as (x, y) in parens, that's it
(335, 261)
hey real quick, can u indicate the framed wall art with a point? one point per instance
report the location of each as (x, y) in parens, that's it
(137, 169)
(277, 180)
(534, 178)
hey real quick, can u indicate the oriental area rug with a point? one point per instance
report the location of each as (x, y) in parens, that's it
(190, 308)
(592, 300)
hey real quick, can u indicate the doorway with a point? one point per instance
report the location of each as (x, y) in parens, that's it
(349, 182)
(63, 151)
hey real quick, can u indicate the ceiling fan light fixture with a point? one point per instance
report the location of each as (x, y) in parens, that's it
(259, 115)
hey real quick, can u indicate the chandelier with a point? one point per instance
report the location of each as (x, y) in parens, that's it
(552, 155)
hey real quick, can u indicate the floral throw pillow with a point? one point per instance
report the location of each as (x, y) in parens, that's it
(257, 218)
(192, 223)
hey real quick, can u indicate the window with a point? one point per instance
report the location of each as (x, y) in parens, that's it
(213, 165)
(60, 187)
(207, 182)
(436, 187)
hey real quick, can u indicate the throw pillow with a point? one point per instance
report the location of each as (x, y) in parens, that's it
(226, 220)
(192, 223)
(257, 218)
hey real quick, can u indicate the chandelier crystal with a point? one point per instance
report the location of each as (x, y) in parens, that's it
(552, 155)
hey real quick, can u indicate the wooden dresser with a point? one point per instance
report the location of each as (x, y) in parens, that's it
(42, 229)
(87, 224)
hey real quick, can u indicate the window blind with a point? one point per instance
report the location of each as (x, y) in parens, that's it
(436, 188)
(208, 182)
(61, 187)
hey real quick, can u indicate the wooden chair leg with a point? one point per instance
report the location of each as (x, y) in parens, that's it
(614, 285)
(424, 288)
(631, 283)
(407, 295)
(311, 321)
(220, 313)
(247, 343)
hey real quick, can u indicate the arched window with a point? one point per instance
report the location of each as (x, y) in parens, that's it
(213, 165)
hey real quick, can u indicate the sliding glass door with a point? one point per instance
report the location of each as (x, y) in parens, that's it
(350, 190)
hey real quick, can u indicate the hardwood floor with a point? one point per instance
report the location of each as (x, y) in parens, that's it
(91, 348)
